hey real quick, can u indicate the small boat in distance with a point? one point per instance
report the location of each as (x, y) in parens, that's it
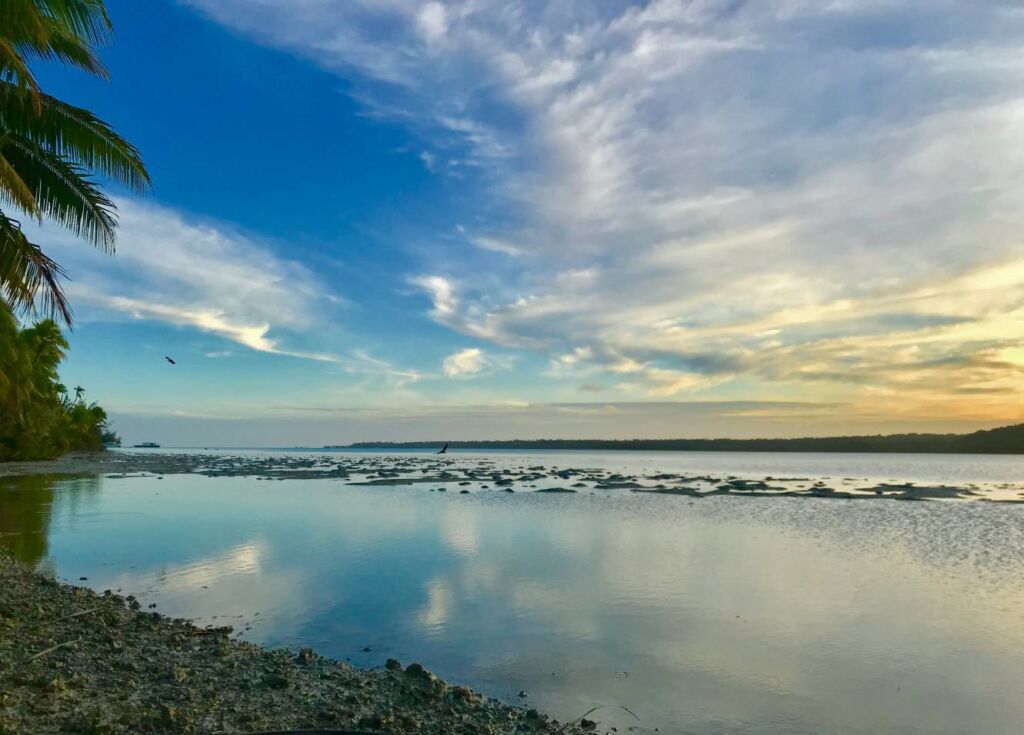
(146, 445)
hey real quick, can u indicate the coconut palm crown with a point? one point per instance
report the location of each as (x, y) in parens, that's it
(50, 151)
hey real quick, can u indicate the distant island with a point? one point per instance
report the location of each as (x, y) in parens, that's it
(1005, 440)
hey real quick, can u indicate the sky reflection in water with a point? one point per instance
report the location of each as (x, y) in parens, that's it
(767, 615)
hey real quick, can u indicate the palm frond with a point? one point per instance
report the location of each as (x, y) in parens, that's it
(14, 190)
(49, 150)
(86, 18)
(29, 280)
(21, 21)
(25, 19)
(14, 69)
(63, 191)
(75, 134)
(60, 44)
(61, 30)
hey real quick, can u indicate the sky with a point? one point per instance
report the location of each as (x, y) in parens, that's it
(394, 219)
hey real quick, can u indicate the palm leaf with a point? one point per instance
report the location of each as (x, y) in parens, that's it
(63, 191)
(49, 150)
(14, 69)
(61, 30)
(75, 134)
(60, 44)
(85, 18)
(29, 280)
(14, 190)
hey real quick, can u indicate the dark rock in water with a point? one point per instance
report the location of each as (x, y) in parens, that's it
(588, 724)
(555, 490)
(827, 492)
(532, 714)
(417, 671)
(749, 485)
(679, 490)
(305, 657)
(509, 490)
(393, 664)
(366, 649)
(83, 579)
(463, 492)
(909, 491)
(462, 693)
(522, 695)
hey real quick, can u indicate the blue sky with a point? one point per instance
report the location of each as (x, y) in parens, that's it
(474, 218)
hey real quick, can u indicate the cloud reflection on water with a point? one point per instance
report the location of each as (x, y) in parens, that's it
(729, 613)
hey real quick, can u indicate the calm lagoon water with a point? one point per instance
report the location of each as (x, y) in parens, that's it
(718, 615)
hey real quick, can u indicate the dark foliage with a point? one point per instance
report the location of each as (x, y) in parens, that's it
(1005, 440)
(38, 417)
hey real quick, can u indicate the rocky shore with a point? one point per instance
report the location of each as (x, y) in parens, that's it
(74, 661)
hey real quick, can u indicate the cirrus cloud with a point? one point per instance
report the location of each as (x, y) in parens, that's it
(781, 199)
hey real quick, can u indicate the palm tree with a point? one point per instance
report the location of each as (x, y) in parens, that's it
(50, 150)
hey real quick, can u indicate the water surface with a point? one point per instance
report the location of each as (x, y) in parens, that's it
(717, 615)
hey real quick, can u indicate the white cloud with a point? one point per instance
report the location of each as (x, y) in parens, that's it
(711, 192)
(173, 269)
(361, 362)
(469, 361)
(441, 292)
(429, 160)
(432, 21)
(497, 245)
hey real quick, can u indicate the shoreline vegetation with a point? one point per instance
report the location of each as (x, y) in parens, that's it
(1003, 440)
(39, 418)
(55, 159)
(72, 660)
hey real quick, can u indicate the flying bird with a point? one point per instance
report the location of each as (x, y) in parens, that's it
(170, 360)
(444, 449)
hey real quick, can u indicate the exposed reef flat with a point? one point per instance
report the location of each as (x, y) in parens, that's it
(475, 474)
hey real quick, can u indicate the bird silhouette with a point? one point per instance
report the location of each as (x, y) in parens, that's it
(444, 449)
(170, 360)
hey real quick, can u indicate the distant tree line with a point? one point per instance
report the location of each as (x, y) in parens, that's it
(39, 418)
(1005, 440)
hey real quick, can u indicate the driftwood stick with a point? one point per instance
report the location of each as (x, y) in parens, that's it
(579, 719)
(51, 649)
(76, 614)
